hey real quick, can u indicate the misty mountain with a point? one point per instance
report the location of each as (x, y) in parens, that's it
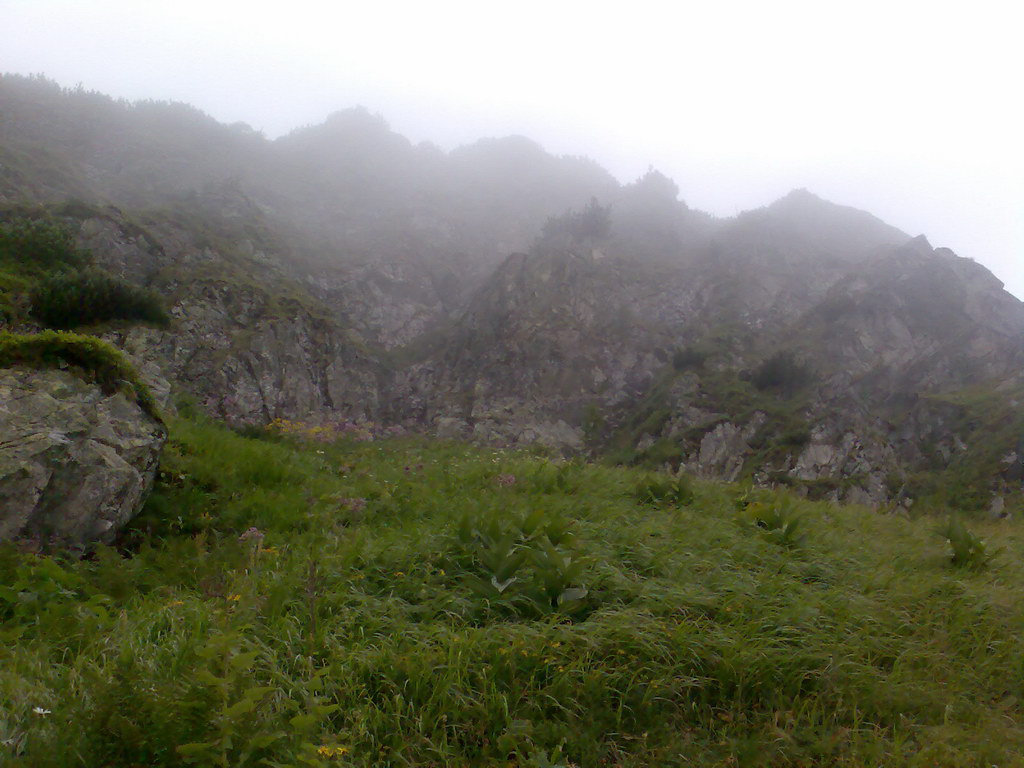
(499, 293)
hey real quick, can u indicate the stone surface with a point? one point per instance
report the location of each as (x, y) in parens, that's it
(247, 344)
(724, 449)
(75, 464)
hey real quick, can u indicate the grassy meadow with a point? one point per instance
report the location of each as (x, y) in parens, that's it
(290, 602)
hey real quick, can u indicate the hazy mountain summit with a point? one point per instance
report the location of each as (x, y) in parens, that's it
(500, 293)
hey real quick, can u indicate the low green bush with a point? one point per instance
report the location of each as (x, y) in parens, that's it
(593, 222)
(689, 358)
(968, 550)
(777, 520)
(14, 302)
(556, 478)
(527, 565)
(783, 372)
(69, 299)
(658, 489)
(38, 245)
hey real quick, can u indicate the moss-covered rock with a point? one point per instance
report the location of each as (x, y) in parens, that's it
(80, 439)
(88, 357)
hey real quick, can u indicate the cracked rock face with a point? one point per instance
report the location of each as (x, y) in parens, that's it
(75, 464)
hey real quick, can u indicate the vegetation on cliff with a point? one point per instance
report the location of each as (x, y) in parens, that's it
(45, 277)
(87, 356)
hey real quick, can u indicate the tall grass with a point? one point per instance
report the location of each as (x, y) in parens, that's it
(352, 631)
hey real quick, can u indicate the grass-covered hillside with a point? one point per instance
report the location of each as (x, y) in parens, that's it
(295, 602)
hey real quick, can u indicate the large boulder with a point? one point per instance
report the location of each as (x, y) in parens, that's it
(76, 462)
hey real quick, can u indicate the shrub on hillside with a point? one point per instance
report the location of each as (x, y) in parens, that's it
(39, 245)
(14, 304)
(968, 550)
(593, 223)
(70, 299)
(525, 565)
(659, 489)
(779, 520)
(782, 372)
(692, 357)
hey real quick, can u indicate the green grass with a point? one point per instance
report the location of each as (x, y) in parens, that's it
(364, 629)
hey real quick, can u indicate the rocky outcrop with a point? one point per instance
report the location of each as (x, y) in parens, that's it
(724, 449)
(902, 359)
(247, 343)
(247, 368)
(76, 464)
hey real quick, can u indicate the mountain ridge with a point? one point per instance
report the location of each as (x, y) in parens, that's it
(502, 294)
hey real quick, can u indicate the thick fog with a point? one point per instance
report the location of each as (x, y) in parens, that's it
(907, 109)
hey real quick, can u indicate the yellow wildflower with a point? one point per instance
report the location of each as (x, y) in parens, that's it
(235, 598)
(328, 751)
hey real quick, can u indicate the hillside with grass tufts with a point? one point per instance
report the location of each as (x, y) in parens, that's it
(295, 597)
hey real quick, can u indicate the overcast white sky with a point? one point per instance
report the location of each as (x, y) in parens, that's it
(911, 110)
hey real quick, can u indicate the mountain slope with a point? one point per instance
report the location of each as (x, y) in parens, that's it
(359, 619)
(500, 293)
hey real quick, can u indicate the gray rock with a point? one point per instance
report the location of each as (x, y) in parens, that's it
(75, 464)
(724, 448)
(997, 510)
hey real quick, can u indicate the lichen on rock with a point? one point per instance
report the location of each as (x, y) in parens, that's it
(77, 460)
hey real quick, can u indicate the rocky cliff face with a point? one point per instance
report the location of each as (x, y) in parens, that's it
(342, 272)
(247, 342)
(852, 369)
